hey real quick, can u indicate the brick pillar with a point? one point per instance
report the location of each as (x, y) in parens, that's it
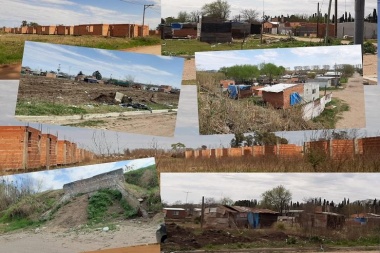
(25, 152)
(356, 146)
(330, 147)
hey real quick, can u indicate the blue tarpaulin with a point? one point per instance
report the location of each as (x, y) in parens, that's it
(295, 98)
(253, 219)
(233, 90)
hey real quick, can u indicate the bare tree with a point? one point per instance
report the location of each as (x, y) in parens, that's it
(249, 15)
(218, 9)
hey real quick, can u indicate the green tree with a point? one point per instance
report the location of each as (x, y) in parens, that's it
(97, 75)
(183, 17)
(24, 23)
(278, 198)
(271, 70)
(268, 138)
(241, 73)
(238, 140)
(218, 9)
(178, 146)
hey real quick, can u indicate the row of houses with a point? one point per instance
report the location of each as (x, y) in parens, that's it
(213, 30)
(336, 149)
(26, 148)
(111, 30)
(226, 216)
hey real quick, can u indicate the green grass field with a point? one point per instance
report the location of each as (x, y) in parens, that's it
(189, 47)
(12, 45)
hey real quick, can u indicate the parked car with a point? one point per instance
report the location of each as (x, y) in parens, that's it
(161, 234)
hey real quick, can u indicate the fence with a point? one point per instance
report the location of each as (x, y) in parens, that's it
(315, 108)
(336, 149)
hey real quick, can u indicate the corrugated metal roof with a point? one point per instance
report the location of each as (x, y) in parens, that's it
(278, 87)
(174, 209)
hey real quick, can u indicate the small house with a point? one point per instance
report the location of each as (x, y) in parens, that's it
(175, 213)
(239, 91)
(310, 92)
(283, 95)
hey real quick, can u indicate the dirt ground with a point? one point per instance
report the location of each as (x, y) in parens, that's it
(353, 95)
(67, 232)
(153, 248)
(68, 92)
(186, 239)
(189, 71)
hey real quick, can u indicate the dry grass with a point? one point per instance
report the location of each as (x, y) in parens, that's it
(267, 164)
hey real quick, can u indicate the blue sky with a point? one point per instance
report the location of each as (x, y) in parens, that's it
(270, 7)
(286, 57)
(55, 179)
(242, 186)
(70, 12)
(145, 68)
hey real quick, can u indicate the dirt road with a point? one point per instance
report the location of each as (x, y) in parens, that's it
(163, 122)
(47, 240)
(153, 248)
(156, 49)
(189, 72)
(353, 95)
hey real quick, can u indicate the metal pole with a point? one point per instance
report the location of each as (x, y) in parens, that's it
(336, 19)
(359, 23)
(318, 20)
(146, 6)
(328, 22)
(203, 211)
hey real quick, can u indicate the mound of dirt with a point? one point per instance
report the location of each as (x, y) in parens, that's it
(181, 238)
(108, 99)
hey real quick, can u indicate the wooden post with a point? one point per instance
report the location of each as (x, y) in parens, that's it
(203, 211)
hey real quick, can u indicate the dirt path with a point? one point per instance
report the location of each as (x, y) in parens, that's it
(370, 68)
(153, 248)
(189, 71)
(127, 233)
(353, 95)
(163, 122)
(10, 71)
(156, 49)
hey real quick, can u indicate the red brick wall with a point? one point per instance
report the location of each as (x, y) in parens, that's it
(34, 154)
(342, 149)
(274, 99)
(65, 30)
(91, 29)
(298, 88)
(123, 30)
(371, 146)
(235, 152)
(61, 152)
(185, 32)
(227, 82)
(11, 147)
(32, 30)
(170, 214)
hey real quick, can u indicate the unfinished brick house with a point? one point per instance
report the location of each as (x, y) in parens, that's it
(91, 29)
(65, 30)
(31, 30)
(175, 213)
(19, 148)
(46, 30)
(283, 96)
(124, 30)
(48, 150)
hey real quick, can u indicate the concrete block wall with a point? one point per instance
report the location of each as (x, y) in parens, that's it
(95, 183)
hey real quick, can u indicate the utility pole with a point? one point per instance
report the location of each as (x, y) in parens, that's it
(336, 19)
(187, 193)
(203, 211)
(318, 20)
(328, 22)
(359, 23)
(146, 6)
